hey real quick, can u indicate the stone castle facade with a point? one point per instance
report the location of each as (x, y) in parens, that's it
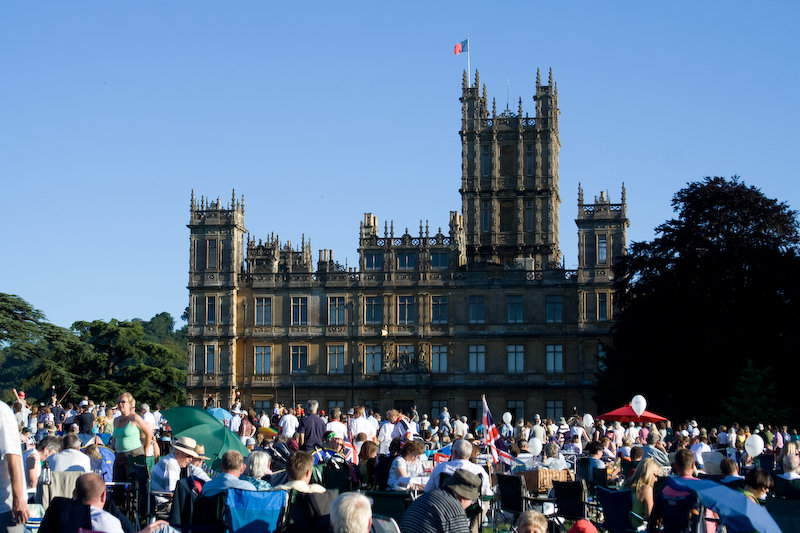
(432, 319)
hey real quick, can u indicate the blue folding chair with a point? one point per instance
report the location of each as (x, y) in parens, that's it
(255, 511)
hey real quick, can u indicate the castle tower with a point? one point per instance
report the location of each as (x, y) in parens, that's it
(602, 240)
(216, 259)
(509, 183)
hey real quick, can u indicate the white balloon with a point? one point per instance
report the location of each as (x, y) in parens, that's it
(588, 420)
(754, 445)
(507, 417)
(535, 446)
(639, 404)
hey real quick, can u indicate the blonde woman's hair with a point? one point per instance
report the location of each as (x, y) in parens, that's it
(643, 476)
(128, 396)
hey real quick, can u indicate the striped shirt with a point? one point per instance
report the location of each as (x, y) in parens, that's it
(437, 511)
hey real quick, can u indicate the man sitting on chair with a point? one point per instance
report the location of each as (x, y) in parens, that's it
(70, 458)
(167, 472)
(91, 490)
(232, 467)
(299, 470)
(459, 458)
(351, 512)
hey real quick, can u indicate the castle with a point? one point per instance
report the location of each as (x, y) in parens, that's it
(432, 319)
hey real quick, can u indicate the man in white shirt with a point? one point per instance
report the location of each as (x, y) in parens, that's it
(459, 459)
(336, 425)
(289, 423)
(236, 421)
(263, 420)
(13, 496)
(360, 424)
(91, 490)
(375, 420)
(167, 472)
(460, 428)
(699, 449)
(70, 458)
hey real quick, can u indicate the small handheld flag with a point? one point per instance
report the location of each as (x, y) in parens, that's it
(463, 46)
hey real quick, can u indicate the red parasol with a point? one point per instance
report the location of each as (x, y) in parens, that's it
(626, 414)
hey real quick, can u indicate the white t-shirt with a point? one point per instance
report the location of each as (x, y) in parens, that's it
(105, 522)
(289, 423)
(9, 445)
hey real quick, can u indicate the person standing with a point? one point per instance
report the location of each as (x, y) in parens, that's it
(289, 424)
(13, 496)
(311, 429)
(131, 437)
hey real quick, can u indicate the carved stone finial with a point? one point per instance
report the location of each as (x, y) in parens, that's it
(465, 80)
(477, 78)
(233, 200)
(580, 194)
(538, 79)
(494, 107)
(551, 76)
(192, 204)
(623, 192)
(520, 107)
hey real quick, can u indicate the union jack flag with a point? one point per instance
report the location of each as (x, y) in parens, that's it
(350, 453)
(492, 439)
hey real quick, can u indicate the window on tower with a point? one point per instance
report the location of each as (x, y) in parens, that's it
(485, 161)
(485, 217)
(529, 160)
(507, 161)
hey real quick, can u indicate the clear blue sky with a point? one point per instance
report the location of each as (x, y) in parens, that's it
(112, 112)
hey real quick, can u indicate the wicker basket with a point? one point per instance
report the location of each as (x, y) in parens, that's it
(541, 480)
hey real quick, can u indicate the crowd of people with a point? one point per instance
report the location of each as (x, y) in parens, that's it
(289, 445)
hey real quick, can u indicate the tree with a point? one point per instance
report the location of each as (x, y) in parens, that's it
(99, 359)
(716, 287)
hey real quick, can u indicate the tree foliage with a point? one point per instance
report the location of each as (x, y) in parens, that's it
(716, 287)
(98, 359)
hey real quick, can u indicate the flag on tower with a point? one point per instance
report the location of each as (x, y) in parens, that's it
(463, 46)
(492, 439)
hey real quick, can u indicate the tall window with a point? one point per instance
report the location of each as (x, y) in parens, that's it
(199, 352)
(555, 358)
(405, 309)
(438, 260)
(528, 215)
(336, 359)
(299, 359)
(438, 358)
(602, 306)
(477, 310)
(507, 160)
(374, 261)
(485, 217)
(477, 358)
(211, 359)
(336, 311)
(211, 256)
(332, 404)
(555, 409)
(211, 310)
(517, 409)
(438, 309)
(516, 357)
(263, 311)
(529, 160)
(372, 365)
(406, 261)
(263, 359)
(485, 161)
(299, 311)
(601, 249)
(514, 309)
(373, 310)
(554, 310)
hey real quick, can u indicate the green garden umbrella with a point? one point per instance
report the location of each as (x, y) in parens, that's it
(200, 425)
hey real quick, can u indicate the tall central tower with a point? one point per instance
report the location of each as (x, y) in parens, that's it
(509, 178)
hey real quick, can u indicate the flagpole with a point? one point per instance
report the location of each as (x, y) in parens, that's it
(469, 72)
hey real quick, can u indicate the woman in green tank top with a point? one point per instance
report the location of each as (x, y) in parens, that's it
(130, 433)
